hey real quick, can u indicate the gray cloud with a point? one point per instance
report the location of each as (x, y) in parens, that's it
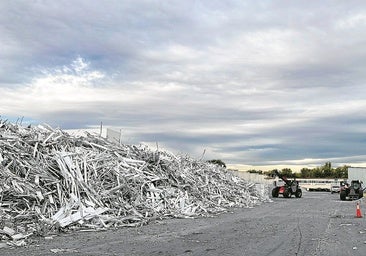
(256, 83)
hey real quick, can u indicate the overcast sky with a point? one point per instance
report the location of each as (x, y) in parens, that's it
(257, 83)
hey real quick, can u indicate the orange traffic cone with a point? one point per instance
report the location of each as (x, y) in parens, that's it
(358, 211)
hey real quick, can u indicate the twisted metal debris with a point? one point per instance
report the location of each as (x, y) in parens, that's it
(50, 181)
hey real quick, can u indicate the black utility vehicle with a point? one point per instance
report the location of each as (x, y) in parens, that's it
(353, 191)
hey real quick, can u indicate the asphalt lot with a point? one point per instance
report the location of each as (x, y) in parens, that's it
(316, 224)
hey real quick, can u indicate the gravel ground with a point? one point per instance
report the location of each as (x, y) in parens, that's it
(317, 224)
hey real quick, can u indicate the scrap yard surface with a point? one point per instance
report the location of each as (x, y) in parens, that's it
(319, 223)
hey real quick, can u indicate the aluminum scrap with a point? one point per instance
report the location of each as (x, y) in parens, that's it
(51, 180)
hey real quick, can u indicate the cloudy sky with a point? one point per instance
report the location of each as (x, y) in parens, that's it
(258, 83)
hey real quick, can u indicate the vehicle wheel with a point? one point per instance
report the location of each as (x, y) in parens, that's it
(343, 195)
(287, 193)
(298, 193)
(360, 195)
(275, 192)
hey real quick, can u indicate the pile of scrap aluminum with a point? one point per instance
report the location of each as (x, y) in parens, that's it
(51, 181)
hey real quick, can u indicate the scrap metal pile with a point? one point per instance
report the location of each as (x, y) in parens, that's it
(52, 181)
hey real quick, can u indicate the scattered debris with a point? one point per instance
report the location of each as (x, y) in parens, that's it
(57, 250)
(50, 181)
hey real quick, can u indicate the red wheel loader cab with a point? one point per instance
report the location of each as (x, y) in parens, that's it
(281, 190)
(289, 188)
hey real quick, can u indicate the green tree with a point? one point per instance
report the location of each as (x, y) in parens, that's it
(217, 162)
(317, 173)
(268, 173)
(272, 173)
(305, 173)
(255, 171)
(327, 170)
(341, 172)
(287, 172)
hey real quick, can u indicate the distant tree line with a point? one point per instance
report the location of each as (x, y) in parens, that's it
(325, 171)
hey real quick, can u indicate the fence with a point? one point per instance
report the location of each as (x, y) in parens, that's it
(113, 135)
(252, 177)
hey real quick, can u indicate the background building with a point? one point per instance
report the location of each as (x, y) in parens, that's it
(357, 173)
